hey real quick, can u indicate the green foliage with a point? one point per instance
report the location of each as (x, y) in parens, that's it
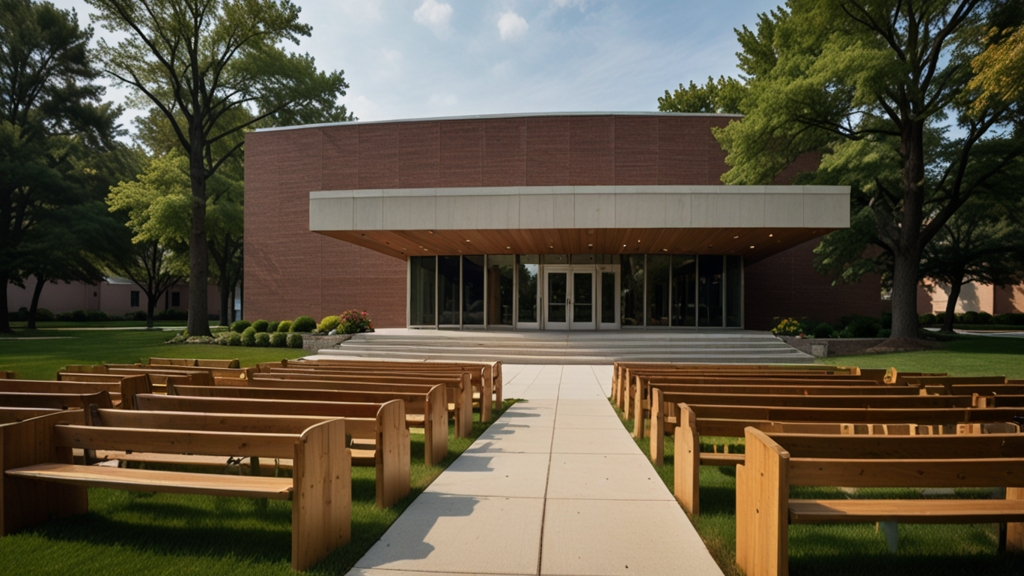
(249, 336)
(823, 330)
(355, 322)
(284, 326)
(327, 324)
(261, 325)
(294, 340)
(233, 339)
(861, 327)
(884, 333)
(240, 325)
(272, 327)
(720, 96)
(262, 339)
(278, 339)
(926, 319)
(303, 324)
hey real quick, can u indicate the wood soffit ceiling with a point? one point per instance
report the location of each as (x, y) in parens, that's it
(752, 243)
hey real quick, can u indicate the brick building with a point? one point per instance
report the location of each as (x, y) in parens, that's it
(544, 221)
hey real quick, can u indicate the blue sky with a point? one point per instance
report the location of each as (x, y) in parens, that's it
(425, 58)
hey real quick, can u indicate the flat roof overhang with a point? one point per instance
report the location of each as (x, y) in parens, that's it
(753, 221)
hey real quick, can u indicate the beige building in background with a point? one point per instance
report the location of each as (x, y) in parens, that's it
(933, 296)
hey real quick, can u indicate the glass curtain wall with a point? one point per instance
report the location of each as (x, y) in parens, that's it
(734, 291)
(709, 290)
(473, 290)
(684, 290)
(528, 269)
(658, 269)
(632, 305)
(422, 290)
(448, 290)
(500, 290)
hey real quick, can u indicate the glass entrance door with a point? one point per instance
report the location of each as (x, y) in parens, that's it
(569, 298)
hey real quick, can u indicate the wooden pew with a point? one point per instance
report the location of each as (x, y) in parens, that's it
(9, 415)
(775, 462)
(382, 424)
(157, 375)
(122, 389)
(458, 390)
(203, 362)
(154, 383)
(8, 375)
(387, 372)
(55, 400)
(41, 481)
(430, 405)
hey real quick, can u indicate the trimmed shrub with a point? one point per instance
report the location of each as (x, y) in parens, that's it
(249, 336)
(984, 318)
(44, 315)
(294, 340)
(884, 333)
(1009, 319)
(262, 339)
(862, 327)
(823, 330)
(171, 314)
(303, 324)
(272, 327)
(240, 325)
(327, 324)
(926, 319)
(138, 316)
(284, 326)
(353, 322)
(886, 320)
(278, 339)
(233, 339)
(261, 325)
(969, 317)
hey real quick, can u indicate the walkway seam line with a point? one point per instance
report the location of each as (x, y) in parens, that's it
(547, 479)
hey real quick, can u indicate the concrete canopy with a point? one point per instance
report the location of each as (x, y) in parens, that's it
(753, 221)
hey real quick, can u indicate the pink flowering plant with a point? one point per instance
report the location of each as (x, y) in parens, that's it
(354, 322)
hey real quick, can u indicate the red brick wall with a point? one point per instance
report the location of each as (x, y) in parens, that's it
(291, 271)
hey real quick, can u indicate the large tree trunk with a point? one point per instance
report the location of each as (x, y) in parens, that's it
(954, 296)
(232, 319)
(34, 307)
(5, 319)
(907, 253)
(198, 321)
(225, 292)
(150, 307)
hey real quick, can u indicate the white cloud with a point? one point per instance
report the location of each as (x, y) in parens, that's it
(434, 15)
(512, 26)
(566, 3)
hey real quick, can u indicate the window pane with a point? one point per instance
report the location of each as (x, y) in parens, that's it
(583, 297)
(500, 288)
(473, 290)
(709, 291)
(528, 285)
(448, 289)
(632, 307)
(422, 294)
(555, 258)
(734, 291)
(608, 297)
(684, 290)
(557, 291)
(658, 268)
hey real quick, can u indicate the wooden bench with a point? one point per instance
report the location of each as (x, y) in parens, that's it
(55, 400)
(122, 390)
(157, 374)
(41, 481)
(156, 383)
(204, 362)
(422, 408)
(689, 458)
(480, 386)
(774, 462)
(7, 374)
(458, 391)
(382, 426)
(10, 415)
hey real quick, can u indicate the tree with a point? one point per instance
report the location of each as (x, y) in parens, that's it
(50, 113)
(983, 242)
(716, 97)
(884, 83)
(999, 70)
(198, 61)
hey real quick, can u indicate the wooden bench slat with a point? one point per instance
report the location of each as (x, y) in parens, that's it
(176, 441)
(906, 511)
(713, 459)
(157, 481)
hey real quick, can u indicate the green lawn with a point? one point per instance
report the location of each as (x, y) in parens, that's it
(21, 326)
(42, 358)
(856, 549)
(962, 356)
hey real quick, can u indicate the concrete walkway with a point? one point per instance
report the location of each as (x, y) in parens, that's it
(556, 486)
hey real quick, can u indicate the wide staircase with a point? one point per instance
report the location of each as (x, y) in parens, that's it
(734, 346)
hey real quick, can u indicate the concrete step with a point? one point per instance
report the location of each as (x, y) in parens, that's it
(572, 347)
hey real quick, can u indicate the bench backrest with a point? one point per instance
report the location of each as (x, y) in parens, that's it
(790, 389)
(11, 415)
(55, 400)
(415, 401)
(203, 362)
(858, 415)
(7, 374)
(796, 400)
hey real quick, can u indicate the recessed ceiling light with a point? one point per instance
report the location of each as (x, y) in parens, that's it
(508, 247)
(735, 237)
(590, 245)
(623, 245)
(467, 239)
(637, 241)
(770, 235)
(664, 249)
(430, 232)
(751, 247)
(551, 247)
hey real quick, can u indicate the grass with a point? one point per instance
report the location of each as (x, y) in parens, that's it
(40, 359)
(961, 356)
(143, 533)
(104, 324)
(843, 549)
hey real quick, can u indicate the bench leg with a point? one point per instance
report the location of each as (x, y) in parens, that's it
(687, 464)
(1015, 530)
(657, 427)
(891, 533)
(638, 414)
